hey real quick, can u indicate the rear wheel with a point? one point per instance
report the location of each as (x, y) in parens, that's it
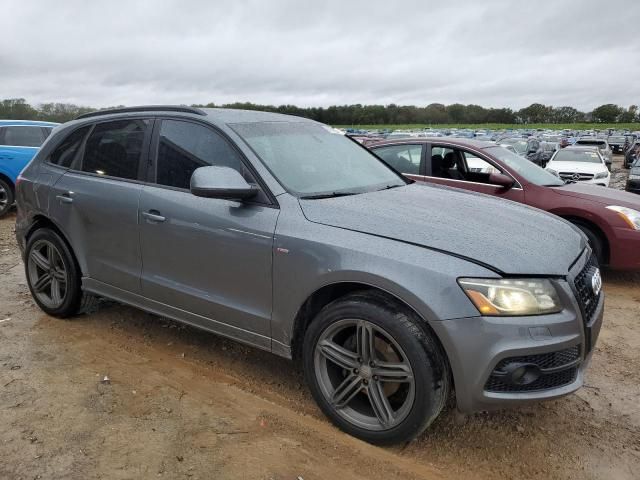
(53, 275)
(373, 371)
(6, 197)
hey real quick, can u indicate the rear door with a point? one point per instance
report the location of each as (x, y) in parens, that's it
(461, 168)
(95, 202)
(209, 260)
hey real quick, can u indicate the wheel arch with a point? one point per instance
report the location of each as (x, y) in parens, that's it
(326, 294)
(10, 182)
(41, 221)
(595, 228)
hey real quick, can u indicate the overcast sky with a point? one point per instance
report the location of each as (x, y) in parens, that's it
(317, 53)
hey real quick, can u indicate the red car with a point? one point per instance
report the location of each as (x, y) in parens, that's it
(609, 218)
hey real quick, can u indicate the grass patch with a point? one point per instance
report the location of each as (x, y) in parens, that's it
(503, 126)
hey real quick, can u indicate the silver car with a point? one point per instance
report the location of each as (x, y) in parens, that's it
(284, 234)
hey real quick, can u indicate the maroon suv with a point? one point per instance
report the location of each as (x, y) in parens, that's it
(609, 218)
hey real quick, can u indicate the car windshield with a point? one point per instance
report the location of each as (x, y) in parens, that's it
(520, 146)
(311, 159)
(527, 169)
(600, 145)
(617, 139)
(585, 156)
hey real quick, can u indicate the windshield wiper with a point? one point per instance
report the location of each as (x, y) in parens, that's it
(328, 195)
(391, 186)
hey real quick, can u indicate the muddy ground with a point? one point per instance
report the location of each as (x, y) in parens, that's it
(180, 403)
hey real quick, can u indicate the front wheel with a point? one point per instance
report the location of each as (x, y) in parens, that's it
(373, 370)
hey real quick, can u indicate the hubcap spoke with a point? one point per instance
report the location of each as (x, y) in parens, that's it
(380, 404)
(348, 389)
(42, 282)
(393, 372)
(56, 296)
(59, 275)
(339, 355)
(365, 342)
(40, 260)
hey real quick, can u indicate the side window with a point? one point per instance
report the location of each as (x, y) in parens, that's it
(185, 146)
(115, 148)
(445, 163)
(64, 153)
(22, 136)
(478, 165)
(404, 158)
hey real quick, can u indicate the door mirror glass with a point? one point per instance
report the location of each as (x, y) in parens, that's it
(221, 182)
(501, 180)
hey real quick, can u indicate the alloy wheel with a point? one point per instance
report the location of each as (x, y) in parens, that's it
(364, 374)
(47, 272)
(4, 197)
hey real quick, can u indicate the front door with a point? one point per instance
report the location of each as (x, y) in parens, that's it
(208, 257)
(460, 168)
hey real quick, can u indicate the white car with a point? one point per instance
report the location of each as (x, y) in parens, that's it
(580, 164)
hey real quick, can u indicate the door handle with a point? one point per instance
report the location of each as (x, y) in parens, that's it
(153, 216)
(65, 198)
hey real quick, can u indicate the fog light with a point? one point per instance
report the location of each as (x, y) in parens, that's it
(522, 373)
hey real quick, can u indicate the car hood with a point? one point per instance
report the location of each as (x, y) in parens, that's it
(582, 167)
(602, 195)
(506, 236)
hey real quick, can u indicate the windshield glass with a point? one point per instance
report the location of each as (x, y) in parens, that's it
(313, 159)
(617, 139)
(527, 169)
(577, 156)
(600, 145)
(520, 146)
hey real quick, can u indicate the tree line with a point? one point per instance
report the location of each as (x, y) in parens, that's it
(435, 113)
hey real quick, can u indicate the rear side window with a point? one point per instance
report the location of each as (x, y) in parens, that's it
(185, 146)
(64, 153)
(404, 158)
(21, 136)
(115, 148)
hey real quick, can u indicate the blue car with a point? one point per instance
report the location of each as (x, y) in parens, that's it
(19, 142)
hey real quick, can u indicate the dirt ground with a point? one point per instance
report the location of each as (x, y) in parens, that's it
(180, 403)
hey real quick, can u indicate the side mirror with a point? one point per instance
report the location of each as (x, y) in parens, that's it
(501, 180)
(221, 182)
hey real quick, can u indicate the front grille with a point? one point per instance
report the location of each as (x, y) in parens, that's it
(586, 298)
(569, 176)
(552, 373)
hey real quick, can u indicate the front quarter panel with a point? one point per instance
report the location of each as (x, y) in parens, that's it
(309, 256)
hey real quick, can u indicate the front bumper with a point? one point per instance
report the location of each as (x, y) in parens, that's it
(477, 345)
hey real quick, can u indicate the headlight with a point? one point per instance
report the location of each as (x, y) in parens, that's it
(552, 171)
(601, 175)
(632, 217)
(511, 297)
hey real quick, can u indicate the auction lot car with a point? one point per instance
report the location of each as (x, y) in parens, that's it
(609, 218)
(19, 141)
(281, 233)
(580, 164)
(633, 181)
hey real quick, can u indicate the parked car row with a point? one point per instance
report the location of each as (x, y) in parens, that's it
(281, 233)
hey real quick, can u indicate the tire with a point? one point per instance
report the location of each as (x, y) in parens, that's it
(595, 241)
(63, 274)
(402, 349)
(7, 197)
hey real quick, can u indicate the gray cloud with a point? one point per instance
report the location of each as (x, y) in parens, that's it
(494, 53)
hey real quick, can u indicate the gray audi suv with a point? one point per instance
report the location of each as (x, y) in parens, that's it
(284, 234)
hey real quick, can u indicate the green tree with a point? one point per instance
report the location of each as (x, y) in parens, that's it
(606, 113)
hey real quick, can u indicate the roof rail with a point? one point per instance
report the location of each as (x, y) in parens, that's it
(148, 108)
